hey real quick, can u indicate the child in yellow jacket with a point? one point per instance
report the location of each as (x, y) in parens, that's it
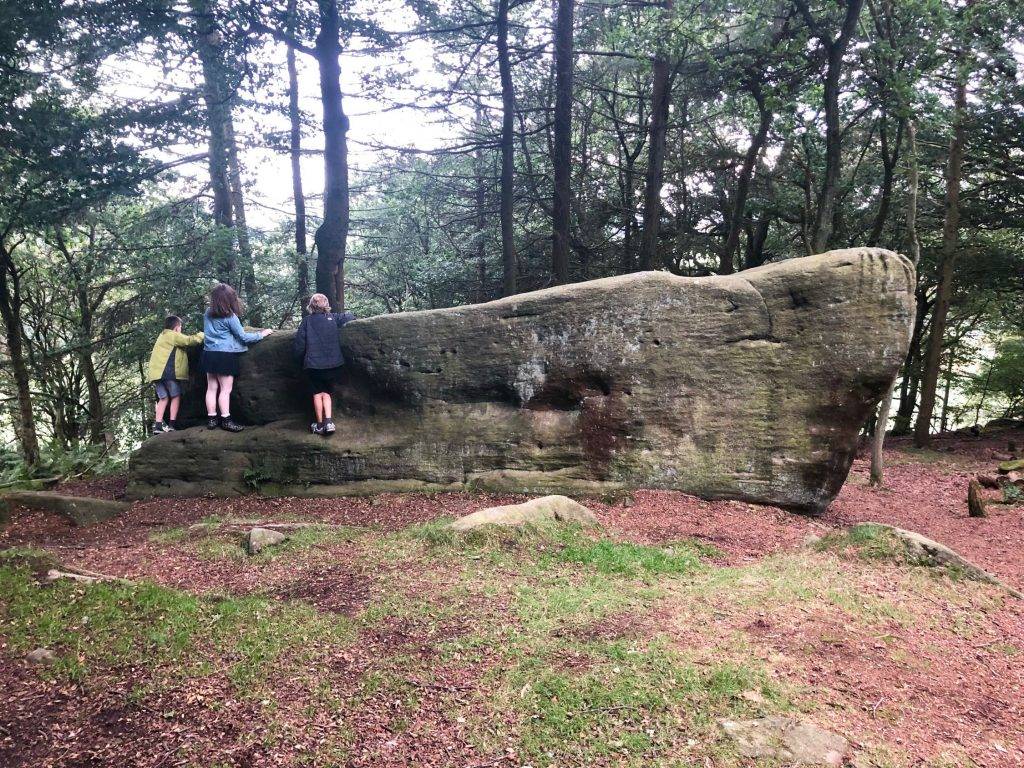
(168, 365)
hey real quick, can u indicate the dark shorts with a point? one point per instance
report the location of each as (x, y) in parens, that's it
(322, 380)
(219, 363)
(166, 388)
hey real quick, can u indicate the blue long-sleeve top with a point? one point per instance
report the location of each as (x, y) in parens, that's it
(226, 334)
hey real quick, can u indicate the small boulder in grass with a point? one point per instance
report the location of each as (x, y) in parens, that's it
(560, 508)
(792, 741)
(259, 539)
(41, 656)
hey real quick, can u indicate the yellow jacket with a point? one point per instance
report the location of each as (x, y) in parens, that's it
(171, 341)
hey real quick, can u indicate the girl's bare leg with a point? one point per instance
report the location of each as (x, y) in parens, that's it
(318, 407)
(161, 404)
(327, 404)
(175, 402)
(211, 395)
(226, 383)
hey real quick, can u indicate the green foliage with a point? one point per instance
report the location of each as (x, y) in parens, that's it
(1002, 380)
(1013, 494)
(83, 460)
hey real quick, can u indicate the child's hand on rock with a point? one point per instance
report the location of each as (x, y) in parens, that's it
(266, 332)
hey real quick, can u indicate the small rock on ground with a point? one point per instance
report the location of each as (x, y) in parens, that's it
(41, 656)
(782, 738)
(259, 539)
(560, 508)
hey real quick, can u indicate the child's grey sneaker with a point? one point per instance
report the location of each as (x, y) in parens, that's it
(316, 428)
(168, 427)
(329, 428)
(158, 427)
(212, 422)
(228, 425)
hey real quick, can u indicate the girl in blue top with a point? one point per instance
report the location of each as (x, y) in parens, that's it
(224, 339)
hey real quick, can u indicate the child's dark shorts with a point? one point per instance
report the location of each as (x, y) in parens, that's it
(322, 380)
(166, 388)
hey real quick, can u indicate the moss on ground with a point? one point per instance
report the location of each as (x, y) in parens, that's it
(107, 624)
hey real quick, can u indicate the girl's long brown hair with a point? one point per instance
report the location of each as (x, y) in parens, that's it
(224, 301)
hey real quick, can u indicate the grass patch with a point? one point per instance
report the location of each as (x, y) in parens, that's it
(547, 544)
(118, 624)
(629, 705)
(210, 543)
(867, 541)
(629, 559)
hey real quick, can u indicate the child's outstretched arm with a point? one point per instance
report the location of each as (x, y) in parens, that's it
(183, 340)
(241, 334)
(341, 318)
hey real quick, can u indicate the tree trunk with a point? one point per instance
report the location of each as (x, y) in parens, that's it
(241, 226)
(561, 159)
(92, 384)
(943, 419)
(660, 94)
(508, 248)
(332, 234)
(732, 240)
(914, 244)
(10, 312)
(218, 111)
(889, 160)
(835, 50)
(950, 242)
(295, 152)
(480, 202)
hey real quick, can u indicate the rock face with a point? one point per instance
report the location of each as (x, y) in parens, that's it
(560, 508)
(750, 386)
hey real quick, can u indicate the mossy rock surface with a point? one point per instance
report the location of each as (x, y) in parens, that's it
(750, 386)
(80, 510)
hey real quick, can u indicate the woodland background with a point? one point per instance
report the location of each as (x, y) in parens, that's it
(565, 141)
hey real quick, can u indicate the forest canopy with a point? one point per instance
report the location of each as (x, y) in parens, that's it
(410, 155)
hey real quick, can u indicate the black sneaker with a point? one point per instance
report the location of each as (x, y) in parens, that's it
(329, 428)
(158, 427)
(168, 427)
(212, 422)
(316, 428)
(229, 425)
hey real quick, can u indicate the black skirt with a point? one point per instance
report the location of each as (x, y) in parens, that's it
(219, 363)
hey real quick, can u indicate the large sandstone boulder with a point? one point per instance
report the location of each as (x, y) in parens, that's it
(750, 386)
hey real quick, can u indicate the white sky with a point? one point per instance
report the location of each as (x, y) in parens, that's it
(266, 173)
